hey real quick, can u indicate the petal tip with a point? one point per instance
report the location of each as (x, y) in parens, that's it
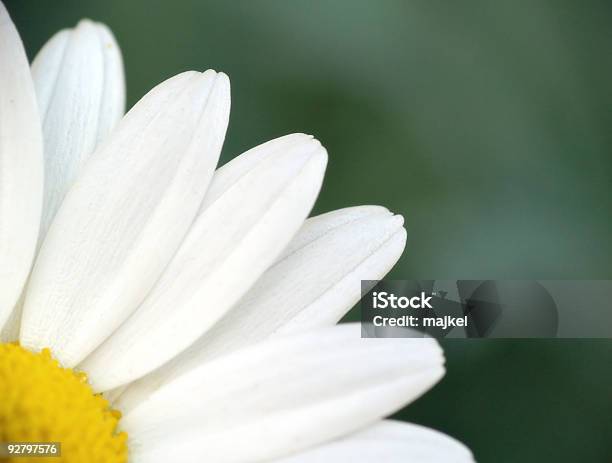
(85, 22)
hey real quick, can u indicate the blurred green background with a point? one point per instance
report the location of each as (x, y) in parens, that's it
(487, 124)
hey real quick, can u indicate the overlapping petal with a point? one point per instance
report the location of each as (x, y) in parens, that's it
(314, 283)
(281, 396)
(80, 87)
(245, 223)
(125, 216)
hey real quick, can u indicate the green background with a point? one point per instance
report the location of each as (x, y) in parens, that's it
(487, 124)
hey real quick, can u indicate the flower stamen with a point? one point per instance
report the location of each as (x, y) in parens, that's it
(42, 402)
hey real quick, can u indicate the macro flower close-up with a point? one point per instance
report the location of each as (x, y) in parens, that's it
(155, 307)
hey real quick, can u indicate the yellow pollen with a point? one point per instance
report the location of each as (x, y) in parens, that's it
(42, 402)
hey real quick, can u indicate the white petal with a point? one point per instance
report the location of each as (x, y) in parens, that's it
(281, 396)
(245, 224)
(388, 442)
(316, 281)
(21, 167)
(78, 76)
(125, 216)
(330, 268)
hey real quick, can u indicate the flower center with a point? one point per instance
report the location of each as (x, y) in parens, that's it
(42, 402)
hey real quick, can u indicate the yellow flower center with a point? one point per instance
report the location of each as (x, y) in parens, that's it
(42, 402)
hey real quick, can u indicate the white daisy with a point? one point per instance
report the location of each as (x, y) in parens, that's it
(203, 303)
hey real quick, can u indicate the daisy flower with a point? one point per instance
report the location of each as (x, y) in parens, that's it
(153, 309)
